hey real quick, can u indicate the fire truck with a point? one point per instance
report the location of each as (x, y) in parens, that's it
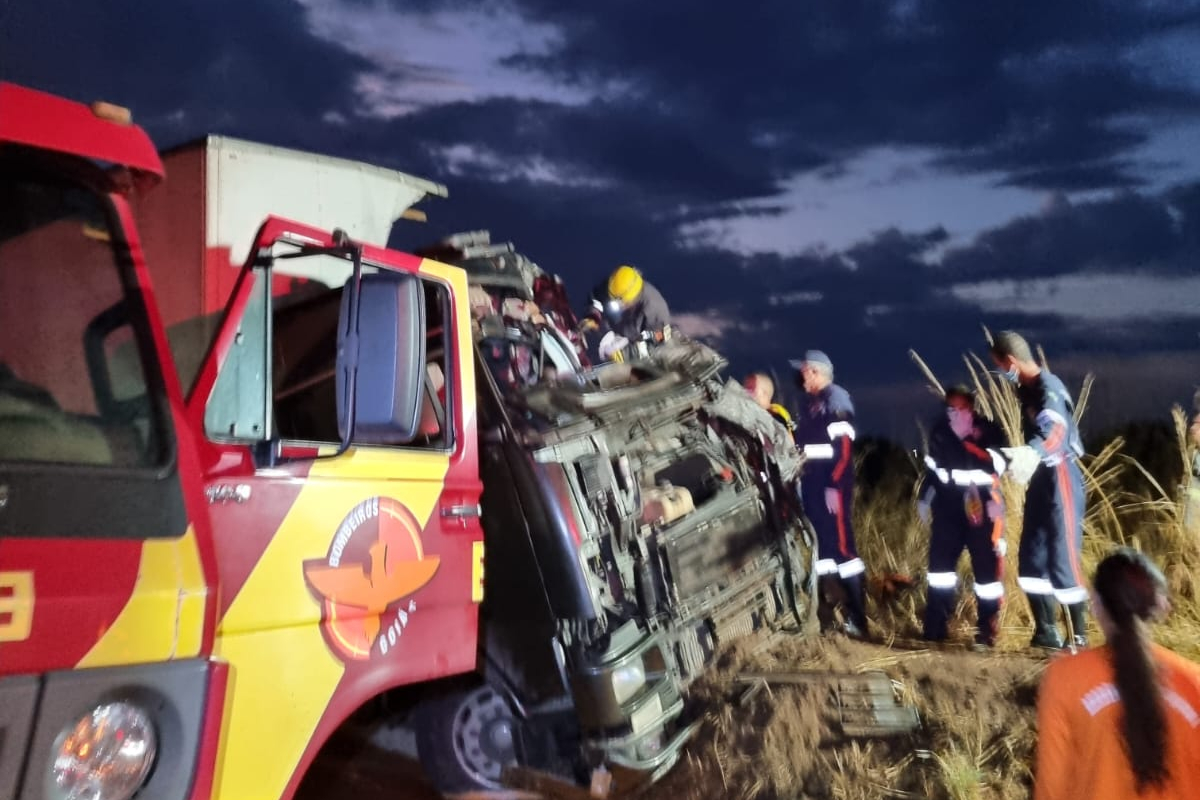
(260, 473)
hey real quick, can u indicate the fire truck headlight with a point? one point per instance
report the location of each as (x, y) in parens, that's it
(106, 755)
(628, 680)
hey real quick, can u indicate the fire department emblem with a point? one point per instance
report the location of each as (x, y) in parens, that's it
(375, 562)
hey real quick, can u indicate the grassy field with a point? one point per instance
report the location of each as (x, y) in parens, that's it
(978, 735)
(1134, 497)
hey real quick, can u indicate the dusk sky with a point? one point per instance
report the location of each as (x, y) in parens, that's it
(859, 177)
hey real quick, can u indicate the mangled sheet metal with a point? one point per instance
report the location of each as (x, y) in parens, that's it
(734, 404)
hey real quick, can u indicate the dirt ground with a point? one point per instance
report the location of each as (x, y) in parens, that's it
(975, 738)
(782, 741)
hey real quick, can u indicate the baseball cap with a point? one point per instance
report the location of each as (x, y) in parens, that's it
(812, 357)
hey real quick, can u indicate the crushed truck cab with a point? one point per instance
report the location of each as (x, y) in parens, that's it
(637, 515)
(259, 473)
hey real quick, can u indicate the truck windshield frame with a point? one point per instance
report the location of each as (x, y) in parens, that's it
(246, 404)
(84, 412)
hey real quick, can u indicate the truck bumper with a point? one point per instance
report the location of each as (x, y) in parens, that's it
(636, 726)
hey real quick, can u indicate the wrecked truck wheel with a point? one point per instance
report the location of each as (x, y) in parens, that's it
(465, 739)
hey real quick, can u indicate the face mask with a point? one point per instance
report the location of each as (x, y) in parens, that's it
(962, 421)
(1012, 375)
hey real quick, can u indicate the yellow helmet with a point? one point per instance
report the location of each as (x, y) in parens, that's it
(625, 284)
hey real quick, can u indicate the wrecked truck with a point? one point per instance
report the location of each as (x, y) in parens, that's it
(241, 465)
(637, 516)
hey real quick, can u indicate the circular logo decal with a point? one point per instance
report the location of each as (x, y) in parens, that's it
(375, 562)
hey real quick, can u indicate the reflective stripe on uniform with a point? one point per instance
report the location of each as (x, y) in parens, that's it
(942, 580)
(960, 477)
(989, 591)
(942, 475)
(848, 569)
(827, 566)
(1035, 585)
(971, 477)
(818, 451)
(840, 428)
(1076, 594)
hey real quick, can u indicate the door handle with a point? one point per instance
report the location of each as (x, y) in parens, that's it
(462, 511)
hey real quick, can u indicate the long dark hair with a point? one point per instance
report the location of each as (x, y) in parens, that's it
(1133, 592)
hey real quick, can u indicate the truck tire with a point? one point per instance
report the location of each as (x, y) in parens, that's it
(465, 739)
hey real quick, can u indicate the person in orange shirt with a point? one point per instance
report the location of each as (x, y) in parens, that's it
(1120, 721)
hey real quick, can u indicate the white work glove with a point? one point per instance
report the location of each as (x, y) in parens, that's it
(924, 512)
(1001, 547)
(1022, 461)
(833, 501)
(611, 343)
(994, 510)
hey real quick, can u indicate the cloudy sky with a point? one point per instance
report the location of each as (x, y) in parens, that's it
(860, 177)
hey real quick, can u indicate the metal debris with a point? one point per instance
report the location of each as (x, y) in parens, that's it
(867, 703)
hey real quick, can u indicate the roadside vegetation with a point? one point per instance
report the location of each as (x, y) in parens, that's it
(978, 728)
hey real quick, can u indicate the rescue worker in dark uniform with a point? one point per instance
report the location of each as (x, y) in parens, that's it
(1049, 561)
(961, 492)
(825, 433)
(762, 389)
(629, 306)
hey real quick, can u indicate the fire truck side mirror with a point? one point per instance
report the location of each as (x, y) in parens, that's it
(386, 357)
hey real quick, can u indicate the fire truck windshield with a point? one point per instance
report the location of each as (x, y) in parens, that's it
(73, 382)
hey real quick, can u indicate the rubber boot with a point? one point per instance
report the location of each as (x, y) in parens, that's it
(989, 622)
(829, 597)
(1045, 622)
(855, 589)
(1076, 613)
(939, 605)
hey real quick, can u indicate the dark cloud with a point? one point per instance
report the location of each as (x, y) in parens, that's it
(1042, 94)
(1028, 89)
(244, 68)
(660, 158)
(1126, 232)
(1084, 176)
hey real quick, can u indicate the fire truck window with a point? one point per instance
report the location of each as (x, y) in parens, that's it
(73, 342)
(304, 353)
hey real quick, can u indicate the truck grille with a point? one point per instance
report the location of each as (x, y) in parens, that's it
(705, 553)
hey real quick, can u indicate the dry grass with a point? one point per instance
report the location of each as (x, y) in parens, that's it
(978, 735)
(785, 741)
(1126, 505)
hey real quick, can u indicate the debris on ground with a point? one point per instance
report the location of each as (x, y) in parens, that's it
(931, 722)
(818, 718)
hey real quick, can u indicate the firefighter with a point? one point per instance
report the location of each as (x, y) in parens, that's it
(762, 389)
(960, 499)
(1049, 566)
(629, 306)
(1120, 721)
(824, 433)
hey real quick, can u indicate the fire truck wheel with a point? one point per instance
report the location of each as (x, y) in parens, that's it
(466, 738)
